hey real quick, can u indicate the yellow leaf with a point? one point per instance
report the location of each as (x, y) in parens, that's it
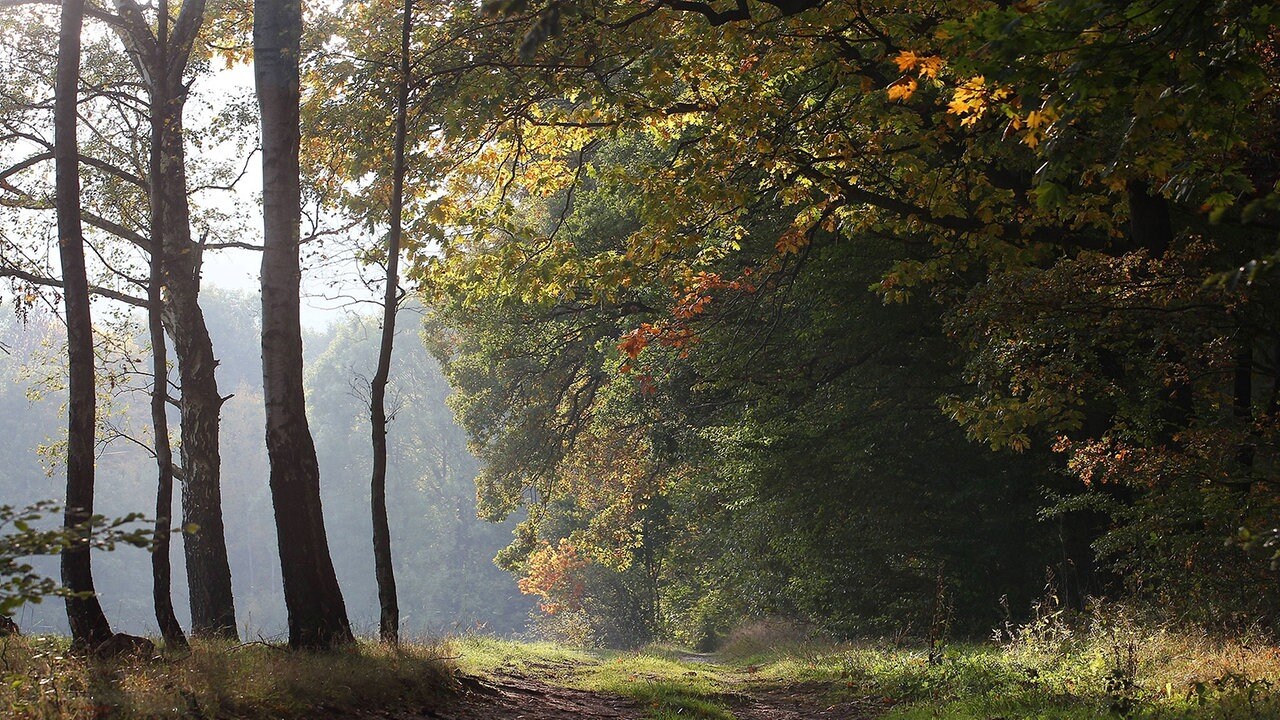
(902, 90)
(906, 60)
(931, 66)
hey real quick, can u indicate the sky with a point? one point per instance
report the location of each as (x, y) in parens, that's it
(332, 289)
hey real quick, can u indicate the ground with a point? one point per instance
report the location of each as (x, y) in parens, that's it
(512, 696)
(507, 681)
(1058, 672)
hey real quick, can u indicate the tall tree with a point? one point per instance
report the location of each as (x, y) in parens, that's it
(161, 59)
(89, 626)
(317, 613)
(389, 618)
(160, 571)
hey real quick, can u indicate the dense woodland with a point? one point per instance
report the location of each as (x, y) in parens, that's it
(890, 318)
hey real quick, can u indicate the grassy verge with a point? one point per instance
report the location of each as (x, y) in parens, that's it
(1103, 671)
(40, 679)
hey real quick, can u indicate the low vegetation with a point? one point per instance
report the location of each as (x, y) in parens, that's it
(1101, 665)
(41, 679)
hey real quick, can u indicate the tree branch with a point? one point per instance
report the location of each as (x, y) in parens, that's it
(55, 283)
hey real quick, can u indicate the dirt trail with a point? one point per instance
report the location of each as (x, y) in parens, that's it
(536, 691)
(802, 703)
(512, 697)
(517, 697)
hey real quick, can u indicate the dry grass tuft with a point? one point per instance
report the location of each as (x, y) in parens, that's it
(39, 679)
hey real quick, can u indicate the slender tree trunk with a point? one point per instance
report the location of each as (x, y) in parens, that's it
(161, 60)
(161, 572)
(317, 613)
(1150, 226)
(389, 620)
(89, 627)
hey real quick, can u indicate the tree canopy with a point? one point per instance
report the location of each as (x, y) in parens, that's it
(873, 313)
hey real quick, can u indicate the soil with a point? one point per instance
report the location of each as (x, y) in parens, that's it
(803, 702)
(518, 697)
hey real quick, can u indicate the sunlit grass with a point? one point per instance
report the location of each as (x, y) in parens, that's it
(40, 679)
(1107, 669)
(655, 677)
(1104, 669)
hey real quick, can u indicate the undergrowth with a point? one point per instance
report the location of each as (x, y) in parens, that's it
(1104, 664)
(41, 680)
(1097, 665)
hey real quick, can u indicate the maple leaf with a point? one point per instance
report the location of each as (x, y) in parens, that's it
(902, 90)
(634, 342)
(931, 66)
(906, 60)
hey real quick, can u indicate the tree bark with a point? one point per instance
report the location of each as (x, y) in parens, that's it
(317, 613)
(161, 61)
(389, 617)
(161, 572)
(89, 626)
(1242, 406)
(161, 585)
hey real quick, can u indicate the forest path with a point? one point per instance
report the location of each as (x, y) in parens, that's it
(586, 687)
(510, 697)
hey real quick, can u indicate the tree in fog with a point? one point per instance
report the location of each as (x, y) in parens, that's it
(89, 626)
(317, 613)
(161, 56)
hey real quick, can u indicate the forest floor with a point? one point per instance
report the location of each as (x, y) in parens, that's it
(539, 681)
(1049, 670)
(1118, 673)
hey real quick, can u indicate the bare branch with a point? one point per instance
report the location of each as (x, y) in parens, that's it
(55, 283)
(92, 11)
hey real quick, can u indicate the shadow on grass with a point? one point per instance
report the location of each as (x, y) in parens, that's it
(215, 680)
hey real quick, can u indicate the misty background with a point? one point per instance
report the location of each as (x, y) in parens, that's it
(442, 551)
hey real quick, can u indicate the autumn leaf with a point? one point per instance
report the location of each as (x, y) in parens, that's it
(902, 90)
(906, 60)
(792, 241)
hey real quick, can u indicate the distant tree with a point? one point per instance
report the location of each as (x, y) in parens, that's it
(317, 613)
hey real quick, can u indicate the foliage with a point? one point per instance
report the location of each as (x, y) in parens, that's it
(742, 473)
(23, 538)
(667, 219)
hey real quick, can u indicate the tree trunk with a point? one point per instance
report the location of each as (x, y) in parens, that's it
(213, 611)
(89, 627)
(317, 614)
(389, 620)
(161, 60)
(1242, 406)
(161, 572)
(1150, 226)
(161, 590)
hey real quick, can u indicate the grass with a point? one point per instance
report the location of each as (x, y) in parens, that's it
(1105, 665)
(671, 689)
(1102, 669)
(39, 679)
